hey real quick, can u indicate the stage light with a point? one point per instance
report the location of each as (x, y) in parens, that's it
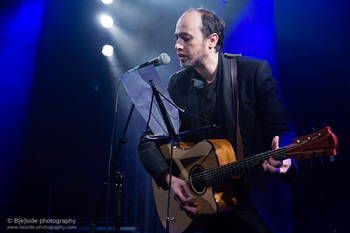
(106, 21)
(107, 1)
(108, 50)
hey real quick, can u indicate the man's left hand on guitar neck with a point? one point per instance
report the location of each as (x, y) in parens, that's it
(275, 168)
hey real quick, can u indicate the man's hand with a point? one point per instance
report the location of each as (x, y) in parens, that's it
(275, 168)
(181, 193)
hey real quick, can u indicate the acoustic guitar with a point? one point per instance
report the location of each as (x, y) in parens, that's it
(208, 167)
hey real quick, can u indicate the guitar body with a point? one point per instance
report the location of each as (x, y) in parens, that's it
(210, 199)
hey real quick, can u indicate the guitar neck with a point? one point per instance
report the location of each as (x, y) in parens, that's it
(246, 165)
(320, 143)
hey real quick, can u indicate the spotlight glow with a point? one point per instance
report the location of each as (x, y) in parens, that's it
(108, 50)
(106, 21)
(107, 1)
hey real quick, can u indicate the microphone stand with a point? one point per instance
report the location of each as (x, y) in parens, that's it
(117, 178)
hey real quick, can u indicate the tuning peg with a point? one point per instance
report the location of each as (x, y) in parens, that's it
(324, 125)
(331, 158)
(303, 133)
(313, 129)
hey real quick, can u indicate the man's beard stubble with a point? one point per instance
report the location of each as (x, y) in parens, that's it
(194, 64)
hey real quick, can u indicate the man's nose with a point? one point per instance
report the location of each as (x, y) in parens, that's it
(178, 45)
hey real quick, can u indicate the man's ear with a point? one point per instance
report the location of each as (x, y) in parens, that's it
(213, 40)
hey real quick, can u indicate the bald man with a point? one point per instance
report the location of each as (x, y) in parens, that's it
(204, 88)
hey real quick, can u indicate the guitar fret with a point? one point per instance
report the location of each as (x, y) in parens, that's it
(237, 168)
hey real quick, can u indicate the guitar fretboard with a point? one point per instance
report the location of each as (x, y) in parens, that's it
(320, 143)
(249, 164)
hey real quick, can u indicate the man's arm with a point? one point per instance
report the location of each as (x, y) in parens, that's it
(157, 167)
(153, 160)
(275, 119)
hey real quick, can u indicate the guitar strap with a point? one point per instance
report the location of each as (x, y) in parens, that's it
(233, 59)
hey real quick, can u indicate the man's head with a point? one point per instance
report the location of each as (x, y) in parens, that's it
(211, 23)
(199, 34)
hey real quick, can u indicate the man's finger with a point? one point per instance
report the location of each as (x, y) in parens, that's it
(272, 169)
(191, 209)
(275, 163)
(180, 198)
(187, 191)
(275, 143)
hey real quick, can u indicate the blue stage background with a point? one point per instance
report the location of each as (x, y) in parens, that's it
(58, 100)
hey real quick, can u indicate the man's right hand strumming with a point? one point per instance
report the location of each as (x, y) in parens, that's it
(182, 194)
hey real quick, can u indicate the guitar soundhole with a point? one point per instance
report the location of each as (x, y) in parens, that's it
(197, 180)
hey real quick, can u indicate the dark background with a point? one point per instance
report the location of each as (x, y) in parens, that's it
(58, 99)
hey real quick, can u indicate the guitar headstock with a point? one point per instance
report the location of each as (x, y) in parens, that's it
(321, 143)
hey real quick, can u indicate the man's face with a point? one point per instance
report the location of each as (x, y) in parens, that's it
(190, 45)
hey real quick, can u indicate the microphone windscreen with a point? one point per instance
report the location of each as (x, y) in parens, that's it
(164, 59)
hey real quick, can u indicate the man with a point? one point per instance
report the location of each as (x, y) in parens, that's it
(204, 88)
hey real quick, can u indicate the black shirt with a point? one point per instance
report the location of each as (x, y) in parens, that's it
(208, 105)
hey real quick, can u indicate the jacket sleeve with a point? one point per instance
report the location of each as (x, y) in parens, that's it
(274, 113)
(153, 160)
(272, 108)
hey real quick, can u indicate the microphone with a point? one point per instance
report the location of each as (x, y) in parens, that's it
(162, 59)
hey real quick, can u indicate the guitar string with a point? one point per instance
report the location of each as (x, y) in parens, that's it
(225, 169)
(223, 175)
(248, 164)
(237, 166)
(257, 160)
(226, 173)
(228, 169)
